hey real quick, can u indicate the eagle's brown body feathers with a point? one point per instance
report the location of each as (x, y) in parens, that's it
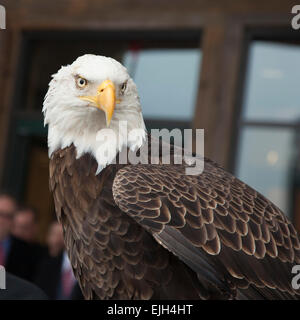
(150, 231)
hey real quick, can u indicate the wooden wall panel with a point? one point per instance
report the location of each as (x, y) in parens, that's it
(37, 189)
(9, 51)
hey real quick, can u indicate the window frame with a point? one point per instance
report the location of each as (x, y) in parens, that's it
(273, 34)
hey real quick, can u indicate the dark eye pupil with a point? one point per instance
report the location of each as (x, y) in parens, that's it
(82, 82)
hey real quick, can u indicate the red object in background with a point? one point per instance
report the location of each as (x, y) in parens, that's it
(135, 47)
(67, 282)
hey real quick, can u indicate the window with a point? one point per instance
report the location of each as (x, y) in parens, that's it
(267, 146)
(167, 81)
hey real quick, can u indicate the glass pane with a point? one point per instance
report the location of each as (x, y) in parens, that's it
(272, 85)
(167, 81)
(265, 162)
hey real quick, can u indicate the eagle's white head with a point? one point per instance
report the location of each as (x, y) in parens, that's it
(88, 99)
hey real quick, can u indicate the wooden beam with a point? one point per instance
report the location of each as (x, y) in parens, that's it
(9, 50)
(132, 14)
(221, 46)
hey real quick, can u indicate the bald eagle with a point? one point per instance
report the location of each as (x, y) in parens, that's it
(150, 231)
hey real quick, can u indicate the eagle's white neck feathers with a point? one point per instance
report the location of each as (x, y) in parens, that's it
(71, 121)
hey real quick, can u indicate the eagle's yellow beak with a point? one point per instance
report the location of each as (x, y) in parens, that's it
(105, 99)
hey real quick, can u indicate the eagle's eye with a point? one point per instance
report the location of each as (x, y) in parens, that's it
(123, 87)
(81, 82)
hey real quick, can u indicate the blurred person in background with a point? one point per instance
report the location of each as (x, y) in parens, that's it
(25, 224)
(17, 256)
(55, 239)
(55, 275)
(25, 227)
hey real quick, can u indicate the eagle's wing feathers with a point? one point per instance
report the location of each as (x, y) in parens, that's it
(215, 223)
